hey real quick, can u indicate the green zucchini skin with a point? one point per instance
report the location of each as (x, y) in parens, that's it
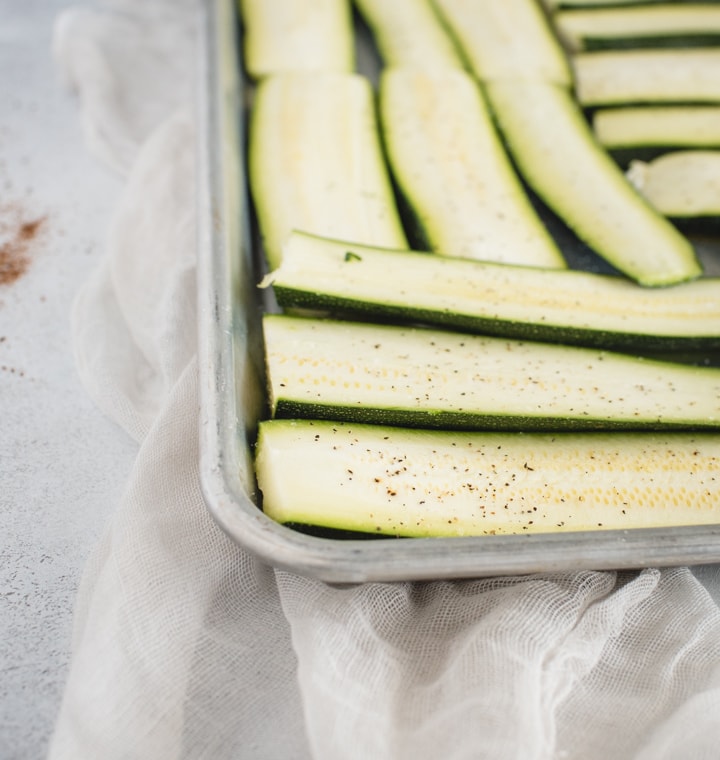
(439, 420)
(383, 374)
(564, 306)
(625, 156)
(556, 5)
(650, 42)
(417, 483)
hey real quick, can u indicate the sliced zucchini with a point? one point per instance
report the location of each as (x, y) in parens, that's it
(409, 33)
(511, 39)
(566, 306)
(297, 35)
(451, 167)
(684, 185)
(385, 374)
(626, 77)
(560, 158)
(316, 164)
(650, 25)
(416, 483)
(553, 5)
(645, 132)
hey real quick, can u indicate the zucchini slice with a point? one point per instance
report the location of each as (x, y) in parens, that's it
(558, 155)
(297, 35)
(651, 25)
(451, 167)
(316, 163)
(626, 77)
(511, 39)
(645, 132)
(409, 33)
(566, 306)
(555, 5)
(684, 185)
(417, 483)
(385, 374)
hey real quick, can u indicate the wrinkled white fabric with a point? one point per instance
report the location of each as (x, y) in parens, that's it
(187, 647)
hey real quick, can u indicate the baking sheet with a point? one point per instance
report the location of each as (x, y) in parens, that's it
(232, 397)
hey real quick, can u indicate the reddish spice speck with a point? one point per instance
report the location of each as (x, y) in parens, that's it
(14, 252)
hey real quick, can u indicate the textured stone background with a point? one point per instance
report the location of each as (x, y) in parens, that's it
(62, 464)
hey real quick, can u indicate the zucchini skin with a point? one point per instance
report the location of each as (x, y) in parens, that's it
(651, 42)
(446, 420)
(624, 156)
(418, 483)
(557, 5)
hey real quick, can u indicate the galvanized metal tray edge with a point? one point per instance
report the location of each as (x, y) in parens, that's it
(231, 387)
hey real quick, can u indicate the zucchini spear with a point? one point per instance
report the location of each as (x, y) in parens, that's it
(384, 374)
(397, 482)
(556, 305)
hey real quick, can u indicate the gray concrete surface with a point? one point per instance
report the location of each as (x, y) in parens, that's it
(62, 464)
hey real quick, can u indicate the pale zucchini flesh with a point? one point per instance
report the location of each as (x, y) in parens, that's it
(297, 35)
(676, 25)
(559, 157)
(382, 374)
(626, 77)
(451, 166)
(316, 163)
(568, 306)
(682, 185)
(507, 39)
(408, 33)
(418, 483)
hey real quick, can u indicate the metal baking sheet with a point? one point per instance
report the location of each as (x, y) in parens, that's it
(232, 390)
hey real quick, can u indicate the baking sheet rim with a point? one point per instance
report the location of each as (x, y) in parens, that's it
(223, 449)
